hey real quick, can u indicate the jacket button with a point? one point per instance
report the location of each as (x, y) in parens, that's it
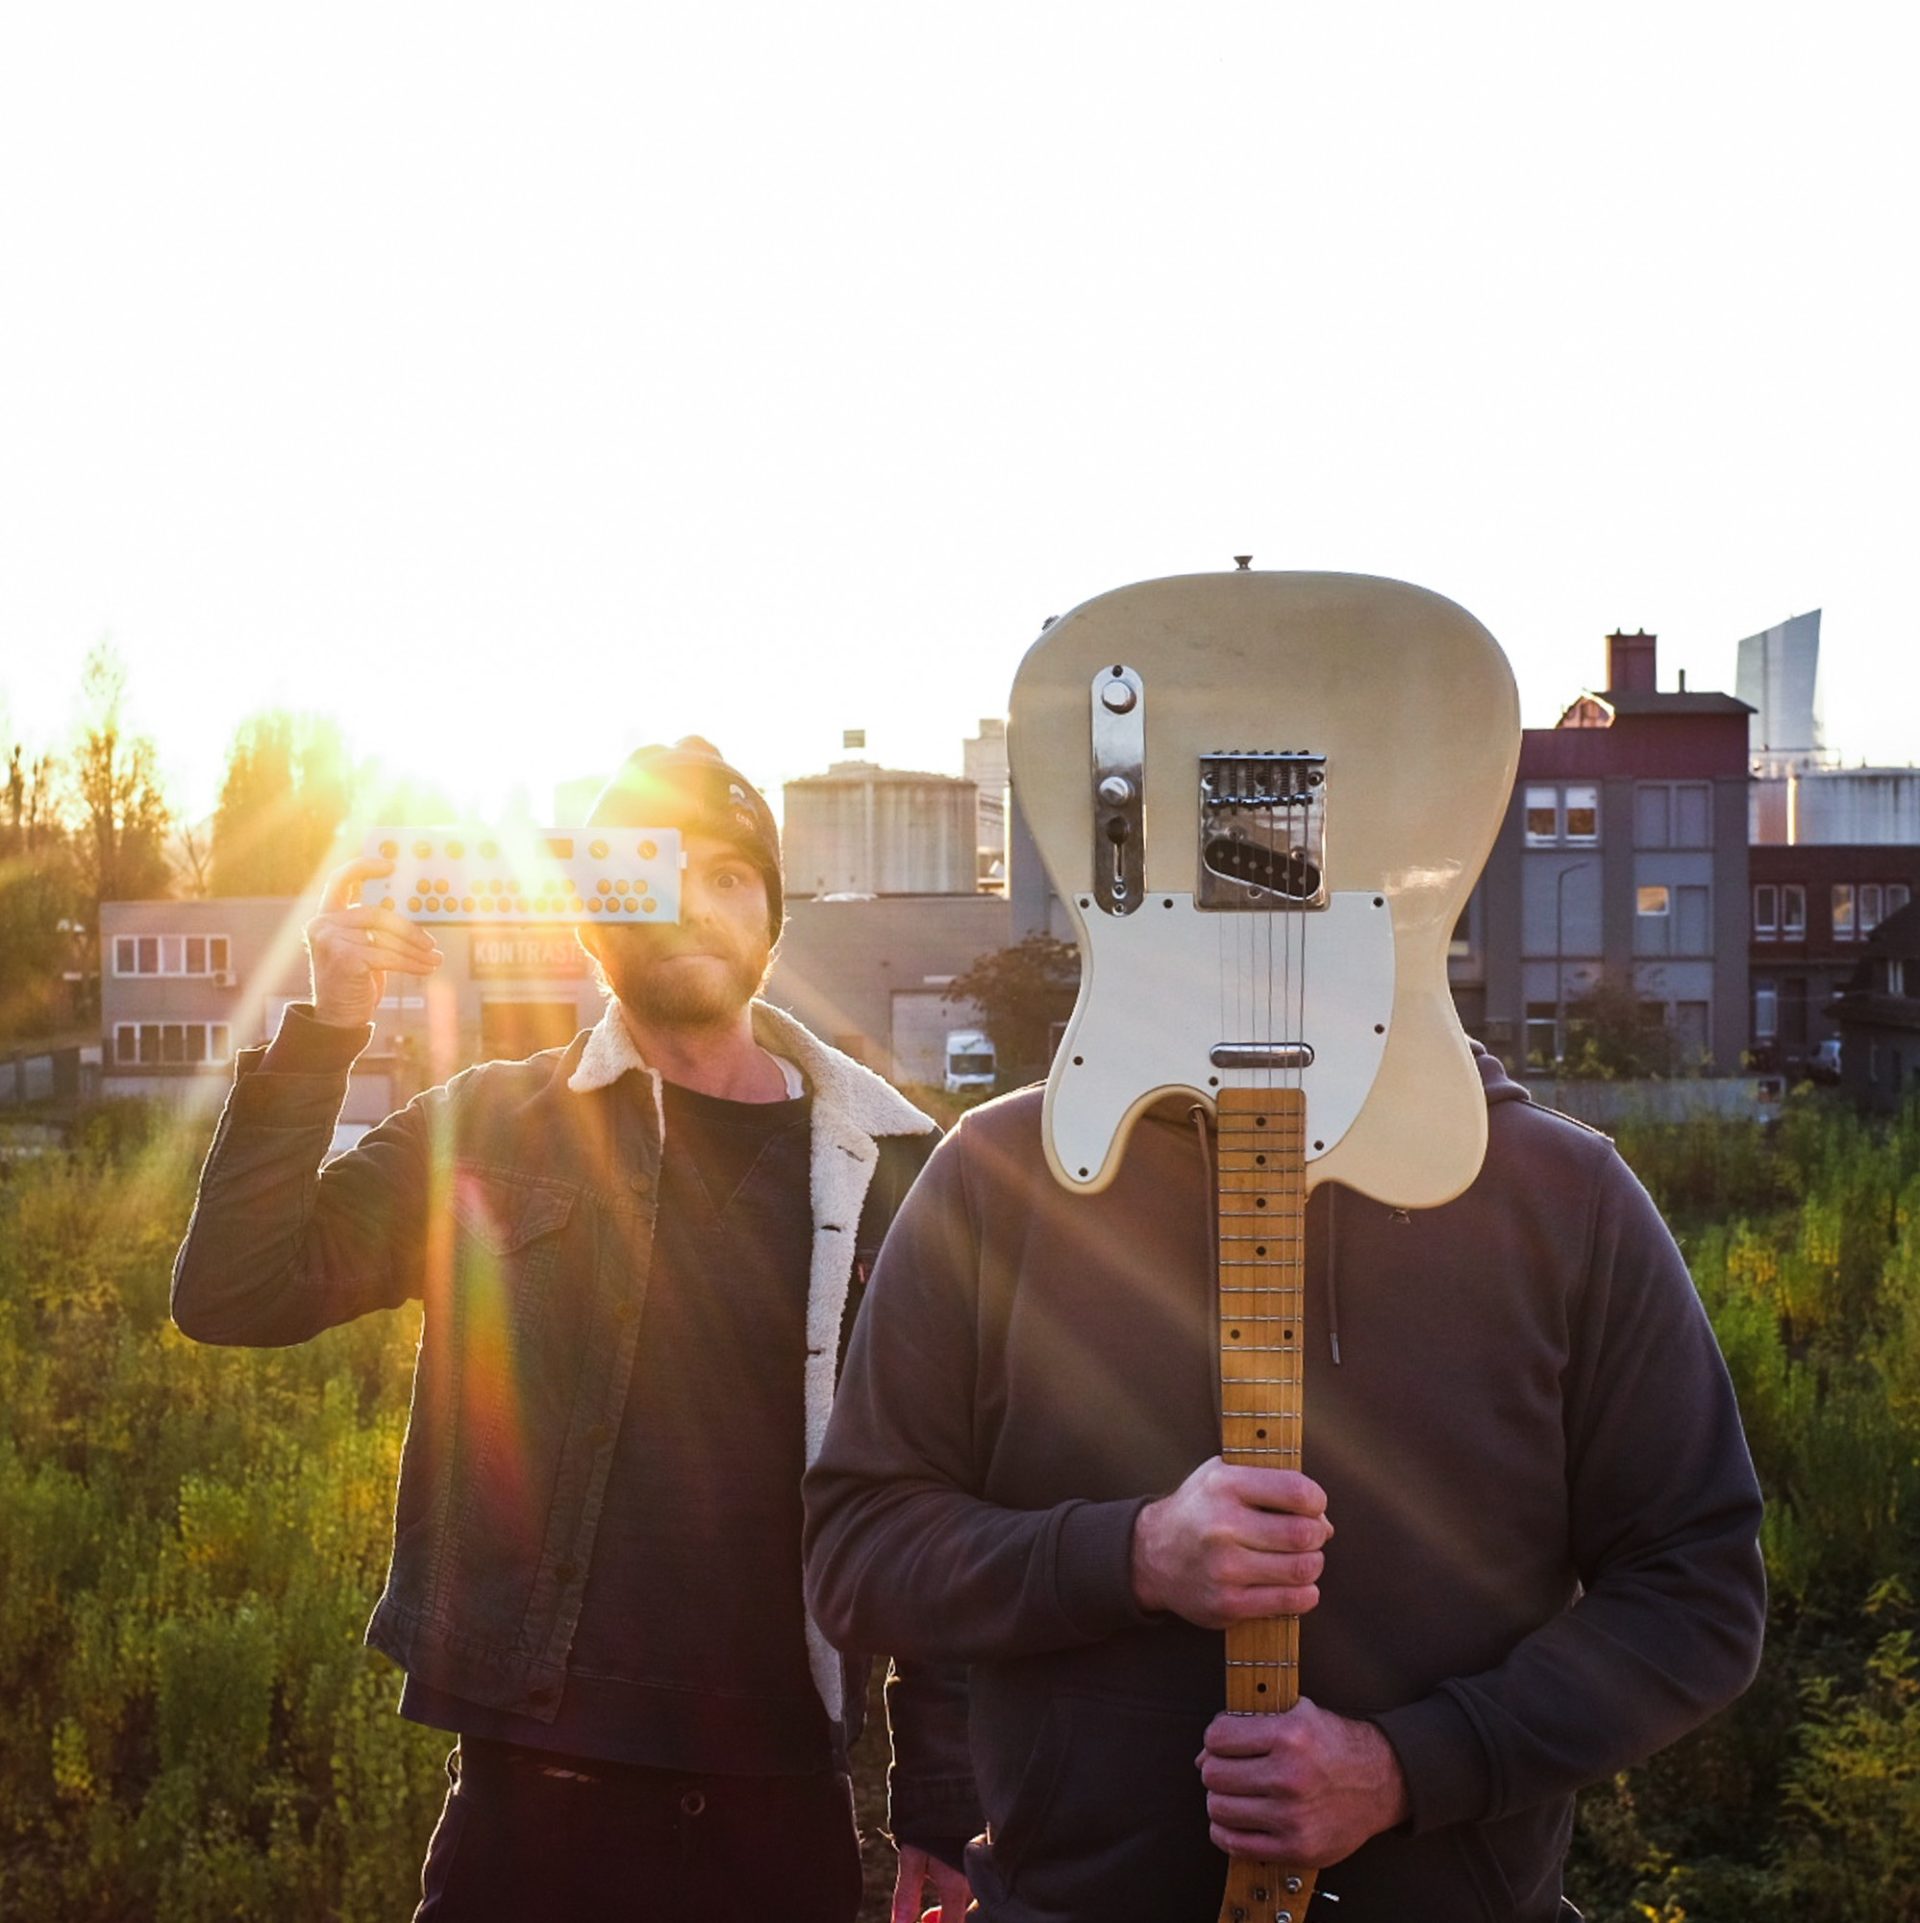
(640, 1184)
(565, 1571)
(600, 1435)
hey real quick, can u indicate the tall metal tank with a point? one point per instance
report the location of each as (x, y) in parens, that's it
(860, 829)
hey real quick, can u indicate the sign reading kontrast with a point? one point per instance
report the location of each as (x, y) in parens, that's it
(527, 954)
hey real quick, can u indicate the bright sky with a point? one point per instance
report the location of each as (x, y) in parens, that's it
(522, 384)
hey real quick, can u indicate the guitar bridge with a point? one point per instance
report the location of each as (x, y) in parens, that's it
(1262, 830)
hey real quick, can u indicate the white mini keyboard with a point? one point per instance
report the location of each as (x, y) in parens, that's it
(527, 874)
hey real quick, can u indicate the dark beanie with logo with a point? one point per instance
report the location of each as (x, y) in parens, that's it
(689, 787)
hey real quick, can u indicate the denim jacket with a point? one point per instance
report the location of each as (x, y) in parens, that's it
(517, 1204)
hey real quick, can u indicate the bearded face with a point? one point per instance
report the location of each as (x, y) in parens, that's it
(703, 971)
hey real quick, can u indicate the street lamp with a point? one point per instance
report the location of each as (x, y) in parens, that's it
(1559, 951)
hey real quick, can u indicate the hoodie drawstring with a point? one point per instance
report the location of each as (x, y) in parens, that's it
(1333, 1285)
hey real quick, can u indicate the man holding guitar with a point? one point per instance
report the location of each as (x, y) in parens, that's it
(1301, 1551)
(637, 1257)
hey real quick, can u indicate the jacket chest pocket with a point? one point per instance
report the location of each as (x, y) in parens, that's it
(512, 1231)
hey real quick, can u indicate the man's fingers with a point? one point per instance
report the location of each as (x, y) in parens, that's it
(1280, 1535)
(344, 882)
(367, 926)
(1285, 1491)
(1250, 1843)
(1253, 1605)
(1230, 1735)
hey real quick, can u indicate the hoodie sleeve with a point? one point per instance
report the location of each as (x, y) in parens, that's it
(1664, 1516)
(901, 1554)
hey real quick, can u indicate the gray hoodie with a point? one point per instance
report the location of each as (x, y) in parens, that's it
(1545, 1565)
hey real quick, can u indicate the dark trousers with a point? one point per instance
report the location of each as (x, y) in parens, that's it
(527, 1837)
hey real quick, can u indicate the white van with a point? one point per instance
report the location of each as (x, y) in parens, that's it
(969, 1060)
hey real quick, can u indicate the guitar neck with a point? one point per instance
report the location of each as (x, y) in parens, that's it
(1262, 1200)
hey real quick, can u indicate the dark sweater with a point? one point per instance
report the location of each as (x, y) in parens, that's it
(1545, 1563)
(703, 1495)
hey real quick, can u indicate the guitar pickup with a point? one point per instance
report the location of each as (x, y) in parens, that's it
(1262, 830)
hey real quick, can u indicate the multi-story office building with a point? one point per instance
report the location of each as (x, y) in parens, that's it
(1622, 860)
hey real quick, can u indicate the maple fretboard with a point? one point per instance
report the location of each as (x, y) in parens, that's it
(1262, 1183)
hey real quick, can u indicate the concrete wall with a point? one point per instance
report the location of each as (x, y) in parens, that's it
(842, 964)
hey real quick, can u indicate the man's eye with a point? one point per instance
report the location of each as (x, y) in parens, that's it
(726, 878)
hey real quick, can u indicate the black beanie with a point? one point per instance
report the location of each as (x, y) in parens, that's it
(689, 787)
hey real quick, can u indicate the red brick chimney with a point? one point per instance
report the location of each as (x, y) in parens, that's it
(1630, 662)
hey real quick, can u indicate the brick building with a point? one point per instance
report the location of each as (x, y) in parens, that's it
(1880, 1015)
(1814, 908)
(1623, 858)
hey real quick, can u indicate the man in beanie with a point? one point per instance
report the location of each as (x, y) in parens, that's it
(639, 1257)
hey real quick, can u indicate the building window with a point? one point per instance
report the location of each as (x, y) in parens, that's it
(171, 1044)
(1673, 814)
(1543, 1034)
(1843, 911)
(170, 955)
(1692, 1032)
(1766, 911)
(1583, 815)
(1692, 926)
(1897, 976)
(1766, 1010)
(1793, 911)
(1672, 920)
(1556, 816)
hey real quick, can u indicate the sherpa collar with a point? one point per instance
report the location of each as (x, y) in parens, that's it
(855, 1094)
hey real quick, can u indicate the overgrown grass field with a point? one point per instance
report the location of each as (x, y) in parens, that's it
(191, 1540)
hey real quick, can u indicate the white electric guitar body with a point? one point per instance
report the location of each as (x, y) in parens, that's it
(1264, 799)
(1318, 764)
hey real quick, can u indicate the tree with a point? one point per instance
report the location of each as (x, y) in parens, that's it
(286, 792)
(38, 900)
(120, 818)
(1022, 992)
(1612, 1033)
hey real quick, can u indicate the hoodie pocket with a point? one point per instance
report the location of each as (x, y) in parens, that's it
(1109, 1817)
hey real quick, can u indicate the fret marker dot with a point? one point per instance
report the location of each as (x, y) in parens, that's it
(1261, 1159)
(1261, 1688)
(1259, 1121)
(1286, 1335)
(1234, 1333)
(1261, 1250)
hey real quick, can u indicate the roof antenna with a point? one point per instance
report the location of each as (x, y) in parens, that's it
(1243, 562)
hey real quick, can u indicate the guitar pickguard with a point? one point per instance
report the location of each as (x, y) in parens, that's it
(1165, 987)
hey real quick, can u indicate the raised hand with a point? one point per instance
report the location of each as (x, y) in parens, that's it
(351, 949)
